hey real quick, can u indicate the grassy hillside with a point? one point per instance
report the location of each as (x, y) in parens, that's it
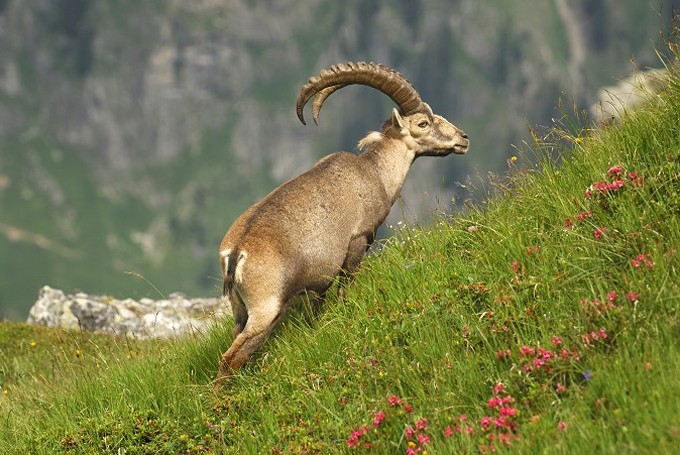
(544, 321)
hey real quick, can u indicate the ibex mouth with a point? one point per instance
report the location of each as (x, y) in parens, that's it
(461, 149)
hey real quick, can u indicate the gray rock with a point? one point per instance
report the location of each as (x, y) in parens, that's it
(146, 318)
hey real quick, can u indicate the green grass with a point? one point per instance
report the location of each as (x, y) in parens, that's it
(437, 317)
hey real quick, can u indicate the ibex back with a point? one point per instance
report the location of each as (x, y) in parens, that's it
(319, 225)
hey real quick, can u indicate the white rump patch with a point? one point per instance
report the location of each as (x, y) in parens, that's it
(238, 273)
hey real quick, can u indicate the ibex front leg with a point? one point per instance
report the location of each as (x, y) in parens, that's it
(355, 254)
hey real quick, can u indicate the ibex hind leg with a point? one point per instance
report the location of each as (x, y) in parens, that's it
(263, 316)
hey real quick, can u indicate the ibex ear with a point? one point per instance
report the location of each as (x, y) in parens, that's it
(397, 119)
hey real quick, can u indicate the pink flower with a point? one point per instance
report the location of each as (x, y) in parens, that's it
(602, 333)
(556, 341)
(498, 388)
(423, 439)
(599, 232)
(562, 425)
(515, 266)
(493, 402)
(633, 296)
(379, 417)
(560, 388)
(408, 408)
(353, 440)
(393, 400)
(469, 429)
(526, 351)
(421, 424)
(614, 171)
(410, 451)
(448, 432)
(486, 421)
(409, 432)
(509, 412)
(611, 296)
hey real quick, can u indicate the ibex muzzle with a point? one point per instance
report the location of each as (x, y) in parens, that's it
(319, 225)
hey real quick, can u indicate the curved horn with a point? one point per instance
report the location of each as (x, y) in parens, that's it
(375, 75)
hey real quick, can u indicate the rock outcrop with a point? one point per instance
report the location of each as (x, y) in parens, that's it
(175, 316)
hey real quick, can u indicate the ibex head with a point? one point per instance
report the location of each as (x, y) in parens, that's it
(414, 122)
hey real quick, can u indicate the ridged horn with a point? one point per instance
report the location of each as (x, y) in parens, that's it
(375, 75)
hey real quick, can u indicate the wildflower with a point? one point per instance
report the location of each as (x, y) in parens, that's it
(500, 354)
(611, 296)
(633, 296)
(493, 402)
(614, 171)
(409, 432)
(379, 417)
(33, 344)
(498, 388)
(5, 392)
(562, 425)
(411, 451)
(353, 440)
(603, 335)
(599, 232)
(408, 408)
(448, 432)
(423, 439)
(560, 388)
(507, 411)
(486, 421)
(421, 424)
(648, 366)
(469, 429)
(526, 351)
(394, 400)
(556, 341)
(586, 375)
(582, 216)
(513, 158)
(515, 266)
(568, 223)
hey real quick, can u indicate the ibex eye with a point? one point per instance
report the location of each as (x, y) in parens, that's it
(423, 124)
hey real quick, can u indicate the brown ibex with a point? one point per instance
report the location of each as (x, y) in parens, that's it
(317, 226)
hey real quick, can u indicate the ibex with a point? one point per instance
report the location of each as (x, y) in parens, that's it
(319, 225)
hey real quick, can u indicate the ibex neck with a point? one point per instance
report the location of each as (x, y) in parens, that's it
(392, 159)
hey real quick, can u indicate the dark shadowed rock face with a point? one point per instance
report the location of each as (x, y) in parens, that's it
(146, 318)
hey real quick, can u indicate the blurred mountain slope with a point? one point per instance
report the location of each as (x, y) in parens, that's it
(133, 133)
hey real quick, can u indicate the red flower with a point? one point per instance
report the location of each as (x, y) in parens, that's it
(423, 439)
(448, 432)
(562, 425)
(394, 400)
(421, 424)
(633, 296)
(556, 341)
(379, 417)
(408, 408)
(614, 171)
